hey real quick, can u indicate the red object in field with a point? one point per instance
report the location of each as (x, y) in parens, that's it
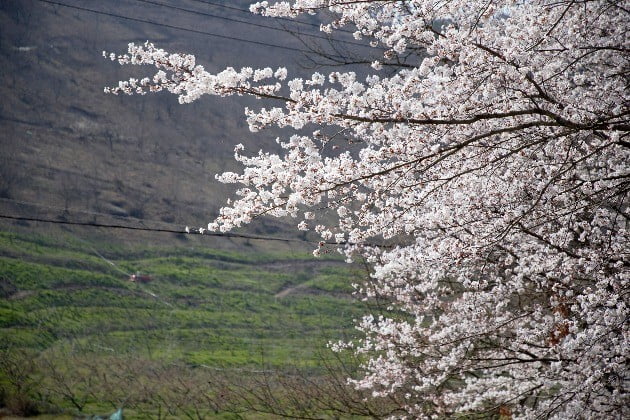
(140, 278)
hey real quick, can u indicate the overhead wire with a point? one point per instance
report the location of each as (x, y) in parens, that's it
(187, 230)
(88, 212)
(259, 25)
(165, 25)
(238, 9)
(135, 219)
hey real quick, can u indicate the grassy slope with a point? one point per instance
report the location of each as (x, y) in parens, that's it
(66, 303)
(203, 306)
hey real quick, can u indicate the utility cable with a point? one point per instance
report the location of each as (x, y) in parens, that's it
(187, 230)
(88, 212)
(238, 9)
(260, 25)
(165, 25)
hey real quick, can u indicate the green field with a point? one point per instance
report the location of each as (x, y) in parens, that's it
(78, 337)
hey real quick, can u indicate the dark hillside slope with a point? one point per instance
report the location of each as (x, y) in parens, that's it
(66, 144)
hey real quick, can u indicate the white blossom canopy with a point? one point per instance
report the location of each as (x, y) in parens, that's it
(498, 166)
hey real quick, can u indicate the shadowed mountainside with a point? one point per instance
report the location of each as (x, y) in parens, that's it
(91, 156)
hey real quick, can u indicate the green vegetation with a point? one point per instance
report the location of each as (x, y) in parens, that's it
(70, 314)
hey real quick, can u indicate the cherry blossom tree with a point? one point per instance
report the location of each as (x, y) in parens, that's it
(498, 168)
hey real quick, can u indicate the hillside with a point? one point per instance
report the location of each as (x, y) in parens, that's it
(71, 149)
(72, 324)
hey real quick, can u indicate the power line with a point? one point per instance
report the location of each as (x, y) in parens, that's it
(190, 231)
(94, 213)
(260, 25)
(67, 210)
(187, 231)
(71, 210)
(100, 12)
(238, 9)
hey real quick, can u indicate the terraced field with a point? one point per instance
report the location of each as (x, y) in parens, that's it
(89, 339)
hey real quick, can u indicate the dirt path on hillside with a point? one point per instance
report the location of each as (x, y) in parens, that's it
(290, 290)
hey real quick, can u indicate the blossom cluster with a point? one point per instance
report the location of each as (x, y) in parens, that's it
(498, 166)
